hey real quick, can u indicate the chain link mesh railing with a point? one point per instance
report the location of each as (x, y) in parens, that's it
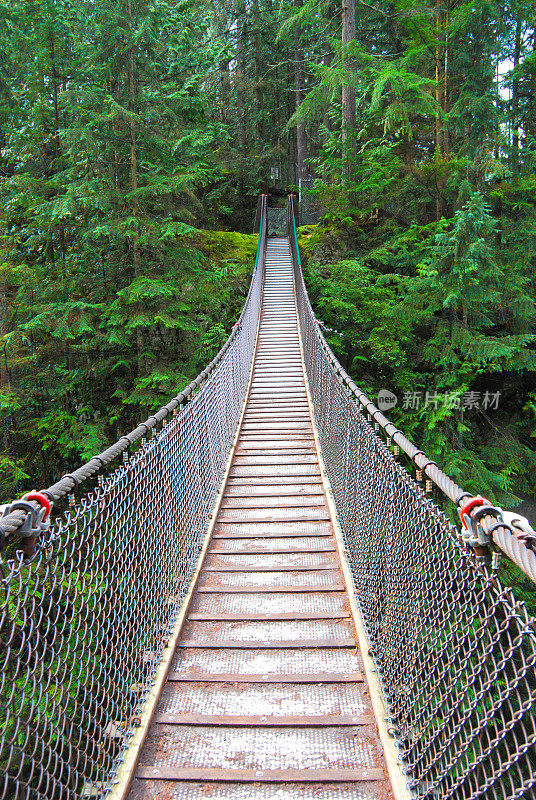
(454, 650)
(85, 619)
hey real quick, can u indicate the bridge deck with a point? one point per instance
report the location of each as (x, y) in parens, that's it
(267, 685)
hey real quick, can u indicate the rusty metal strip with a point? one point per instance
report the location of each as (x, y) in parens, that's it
(260, 616)
(273, 435)
(293, 449)
(272, 480)
(284, 568)
(268, 520)
(265, 721)
(256, 460)
(237, 506)
(323, 517)
(283, 403)
(275, 395)
(336, 587)
(276, 417)
(276, 414)
(268, 535)
(305, 492)
(284, 551)
(268, 776)
(267, 439)
(265, 644)
(237, 677)
(281, 415)
(305, 434)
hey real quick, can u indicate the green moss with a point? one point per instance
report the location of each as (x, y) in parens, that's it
(226, 247)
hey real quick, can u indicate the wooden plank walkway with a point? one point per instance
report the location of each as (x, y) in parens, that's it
(266, 696)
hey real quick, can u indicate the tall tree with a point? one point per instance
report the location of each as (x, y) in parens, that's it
(301, 141)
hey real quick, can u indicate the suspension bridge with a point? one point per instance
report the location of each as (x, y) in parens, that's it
(257, 594)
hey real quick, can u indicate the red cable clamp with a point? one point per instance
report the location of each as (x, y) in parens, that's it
(43, 500)
(467, 507)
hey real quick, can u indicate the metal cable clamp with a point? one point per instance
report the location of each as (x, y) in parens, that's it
(36, 521)
(472, 533)
(519, 527)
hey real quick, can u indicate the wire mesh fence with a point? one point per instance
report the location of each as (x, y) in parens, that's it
(454, 651)
(85, 620)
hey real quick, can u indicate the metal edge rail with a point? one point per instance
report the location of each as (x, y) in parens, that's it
(35, 507)
(483, 530)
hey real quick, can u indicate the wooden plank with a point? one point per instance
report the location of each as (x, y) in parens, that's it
(287, 568)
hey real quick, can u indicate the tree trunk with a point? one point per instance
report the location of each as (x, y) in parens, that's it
(348, 91)
(136, 256)
(134, 165)
(5, 376)
(441, 95)
(258, 74)
(225, 91)
(240, 75)
(446, 106)
(57, 143)
(530, 124)
(291, 176)
(515, 97)
(327, 59)
(299, 82)
(224, 73)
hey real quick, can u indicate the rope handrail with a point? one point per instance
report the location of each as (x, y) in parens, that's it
(482, 526)
(11, 521)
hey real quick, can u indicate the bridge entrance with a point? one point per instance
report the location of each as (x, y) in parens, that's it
(277, 222)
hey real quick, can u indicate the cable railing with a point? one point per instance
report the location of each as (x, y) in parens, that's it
(454, 650)
(89, 600)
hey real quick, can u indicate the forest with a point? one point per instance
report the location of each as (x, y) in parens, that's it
(135, 137)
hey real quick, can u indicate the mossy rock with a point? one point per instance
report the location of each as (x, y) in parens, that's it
(223, 245)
